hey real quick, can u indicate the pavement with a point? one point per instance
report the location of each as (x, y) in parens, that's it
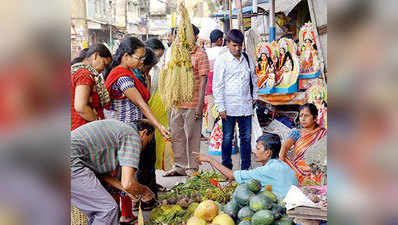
(169, 182)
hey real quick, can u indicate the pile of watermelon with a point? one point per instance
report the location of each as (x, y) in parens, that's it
(249, 206)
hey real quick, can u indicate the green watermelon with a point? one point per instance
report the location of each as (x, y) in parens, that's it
(231, 208)
(245, 222)
(271, 195)
(242, 195)
(284, 221)
(260, 202)
(278, 211)
(245, 213)
(254, 185)
(262, 217)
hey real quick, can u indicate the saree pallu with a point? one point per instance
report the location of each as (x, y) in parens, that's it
(297, 163)
(164, 151)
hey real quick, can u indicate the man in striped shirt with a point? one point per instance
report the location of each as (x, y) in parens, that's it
(97, 149)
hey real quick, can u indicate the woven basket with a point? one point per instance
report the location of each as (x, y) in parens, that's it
(77, 217)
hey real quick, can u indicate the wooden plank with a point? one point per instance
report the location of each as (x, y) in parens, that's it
(310, 213)
(306, 222)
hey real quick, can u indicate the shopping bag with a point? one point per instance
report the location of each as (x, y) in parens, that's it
(257, 131)
(216, 139)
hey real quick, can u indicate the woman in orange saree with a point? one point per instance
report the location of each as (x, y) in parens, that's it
(301, 140)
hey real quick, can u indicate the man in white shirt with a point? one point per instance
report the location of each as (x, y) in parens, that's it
(216, 39)
(235, 92)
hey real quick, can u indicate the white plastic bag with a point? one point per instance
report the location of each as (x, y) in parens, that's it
(257, 131)
(295, 198)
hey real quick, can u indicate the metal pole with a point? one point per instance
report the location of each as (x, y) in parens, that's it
(230, 14)
(272, 22)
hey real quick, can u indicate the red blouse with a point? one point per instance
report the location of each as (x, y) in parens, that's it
(83, 77)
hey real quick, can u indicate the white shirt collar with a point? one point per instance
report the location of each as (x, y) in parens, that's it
(231, 57)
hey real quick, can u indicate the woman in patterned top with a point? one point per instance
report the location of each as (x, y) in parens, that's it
(88, 92)
(130, 96)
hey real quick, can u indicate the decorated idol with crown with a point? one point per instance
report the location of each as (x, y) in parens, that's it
(265, 68)
(309, 63)
(280, 73)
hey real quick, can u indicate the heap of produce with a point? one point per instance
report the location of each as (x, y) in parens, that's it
(201, 186)
(250, 206)
(208, 212)
(171, 214)
(176, 82)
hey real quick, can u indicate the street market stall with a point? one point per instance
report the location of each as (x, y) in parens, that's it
(207, 198)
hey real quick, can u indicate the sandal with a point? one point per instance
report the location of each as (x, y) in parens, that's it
(131, 222)
(173, 173)
(145, 206)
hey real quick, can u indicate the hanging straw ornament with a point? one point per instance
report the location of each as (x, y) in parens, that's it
(176, 83)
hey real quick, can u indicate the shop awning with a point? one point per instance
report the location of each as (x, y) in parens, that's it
(284, 6)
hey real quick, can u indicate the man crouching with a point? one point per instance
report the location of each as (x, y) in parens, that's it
(97, 149)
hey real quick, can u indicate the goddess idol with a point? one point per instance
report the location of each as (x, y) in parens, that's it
(309, 63)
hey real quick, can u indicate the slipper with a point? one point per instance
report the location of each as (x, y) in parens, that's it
(173, 173)
(145, 206)
(161, 188)
(132, 222)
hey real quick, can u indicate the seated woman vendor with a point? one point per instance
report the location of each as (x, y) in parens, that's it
(273, 172)
(299, 141)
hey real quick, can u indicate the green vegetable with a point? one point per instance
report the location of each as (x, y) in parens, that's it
(260, 202)
(284, 221)
(278, 211)
(242, 195)
(231, 208)
(263, 217)
(254, 185)
(271, 195)
(245, 222)
(245, 213)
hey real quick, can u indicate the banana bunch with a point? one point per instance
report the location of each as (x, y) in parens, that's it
(176, 83)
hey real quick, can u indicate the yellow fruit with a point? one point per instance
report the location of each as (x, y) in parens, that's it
(223, 219)
(207, 210)
(196, 221)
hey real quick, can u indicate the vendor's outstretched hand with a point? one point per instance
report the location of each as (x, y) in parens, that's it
(202, 158)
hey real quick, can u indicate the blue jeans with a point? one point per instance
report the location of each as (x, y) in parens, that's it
(245, 130)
